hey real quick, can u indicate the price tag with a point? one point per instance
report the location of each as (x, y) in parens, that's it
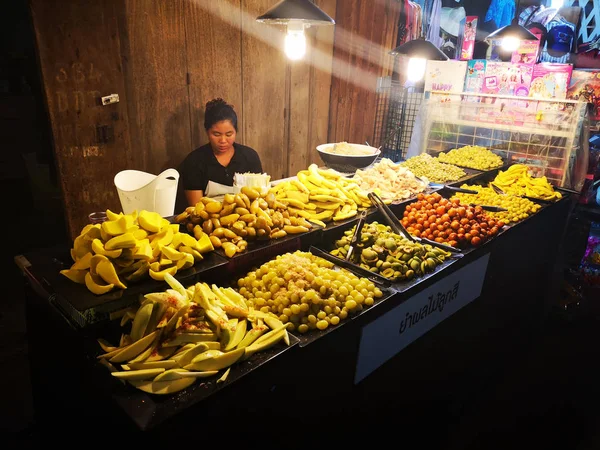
(389, 334)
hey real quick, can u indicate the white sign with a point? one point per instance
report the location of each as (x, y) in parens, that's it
(389, 334)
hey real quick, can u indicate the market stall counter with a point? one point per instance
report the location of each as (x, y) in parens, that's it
(426, 345)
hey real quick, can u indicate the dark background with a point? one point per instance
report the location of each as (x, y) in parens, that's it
(547, 398)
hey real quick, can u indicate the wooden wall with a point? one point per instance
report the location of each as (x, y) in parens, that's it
(364, 34)
(167, 59)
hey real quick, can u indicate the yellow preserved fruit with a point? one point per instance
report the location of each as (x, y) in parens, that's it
(473, 157)
(427, 166)
(517, 180)
(305, 291)
(518, 208)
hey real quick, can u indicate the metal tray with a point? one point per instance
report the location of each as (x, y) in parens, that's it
(313, 335)
(148, 410)
(82, 307)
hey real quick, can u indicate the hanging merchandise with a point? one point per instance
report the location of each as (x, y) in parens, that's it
(562, 36)
(450, 20)
(433, 33)
(501, 12)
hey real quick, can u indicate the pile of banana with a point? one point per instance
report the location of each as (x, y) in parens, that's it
(181, 335)
(243, 217)
(391, 255)
(128, 247)
(321, 195)
(516, 180)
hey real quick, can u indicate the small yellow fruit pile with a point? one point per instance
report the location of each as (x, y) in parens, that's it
(472, 156)
(321, 195)
(181, 335)
(518, 208)
(306, 291)
(127, 247)
(517, 181)
(427, 166)
(241, 218)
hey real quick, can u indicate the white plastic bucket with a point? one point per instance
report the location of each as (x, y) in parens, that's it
(140, 190)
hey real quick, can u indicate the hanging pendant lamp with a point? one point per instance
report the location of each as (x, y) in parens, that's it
(420, 48)
(419, 51)
(304, 11)
(296, 15)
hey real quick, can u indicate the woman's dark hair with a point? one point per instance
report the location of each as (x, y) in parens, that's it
(218, 110)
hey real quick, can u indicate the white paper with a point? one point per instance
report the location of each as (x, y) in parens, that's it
(215, 189)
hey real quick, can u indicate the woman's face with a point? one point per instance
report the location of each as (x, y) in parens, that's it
(221, 136)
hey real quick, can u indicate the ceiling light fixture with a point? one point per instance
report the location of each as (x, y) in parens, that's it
(297, 15)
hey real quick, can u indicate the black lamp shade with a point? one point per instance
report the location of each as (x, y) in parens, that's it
(295, 10)
(420, 48)
(513, 30)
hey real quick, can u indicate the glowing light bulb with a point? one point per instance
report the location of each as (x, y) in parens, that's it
(511, 43)
(295, 41)
(416, 69)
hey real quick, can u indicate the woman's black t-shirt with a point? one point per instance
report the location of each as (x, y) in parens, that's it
(201, 166)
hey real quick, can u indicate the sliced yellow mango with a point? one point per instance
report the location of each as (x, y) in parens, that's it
(216, 362)
(85, 229)
(123, 241)
(140, 234)
(113, 216)
(171, 253)
(186, 262)
(115, 227)
(150, 221)
(81, 246)
(204, 245)
(162, 387)
(96, 259)
(163, 262)
(139, 273)
(83, 263)
(78, 276)
(188, 240)
(192, 251)
(93, 232)
(98, 248)
(104, 236)
(160, 276)
(143, 250)
(164, 237)
(107, 272)
(93, 284)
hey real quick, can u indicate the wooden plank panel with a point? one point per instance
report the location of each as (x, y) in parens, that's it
(213, 31)
(364, 35)
(79, 54)
(155, 62)
(320, 83)
(263, 71)
(299, 111)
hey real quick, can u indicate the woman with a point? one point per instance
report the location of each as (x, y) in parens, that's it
(218, 160)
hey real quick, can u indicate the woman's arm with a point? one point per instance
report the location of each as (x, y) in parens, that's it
(193, 197)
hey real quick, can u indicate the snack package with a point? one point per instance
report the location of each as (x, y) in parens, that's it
(475, 75)
(550, 80)
(527, 53)
(585, 86)
(466, 38)
(504, 78)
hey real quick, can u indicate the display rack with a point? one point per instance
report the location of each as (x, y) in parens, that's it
(545, 134)
(397, 108)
